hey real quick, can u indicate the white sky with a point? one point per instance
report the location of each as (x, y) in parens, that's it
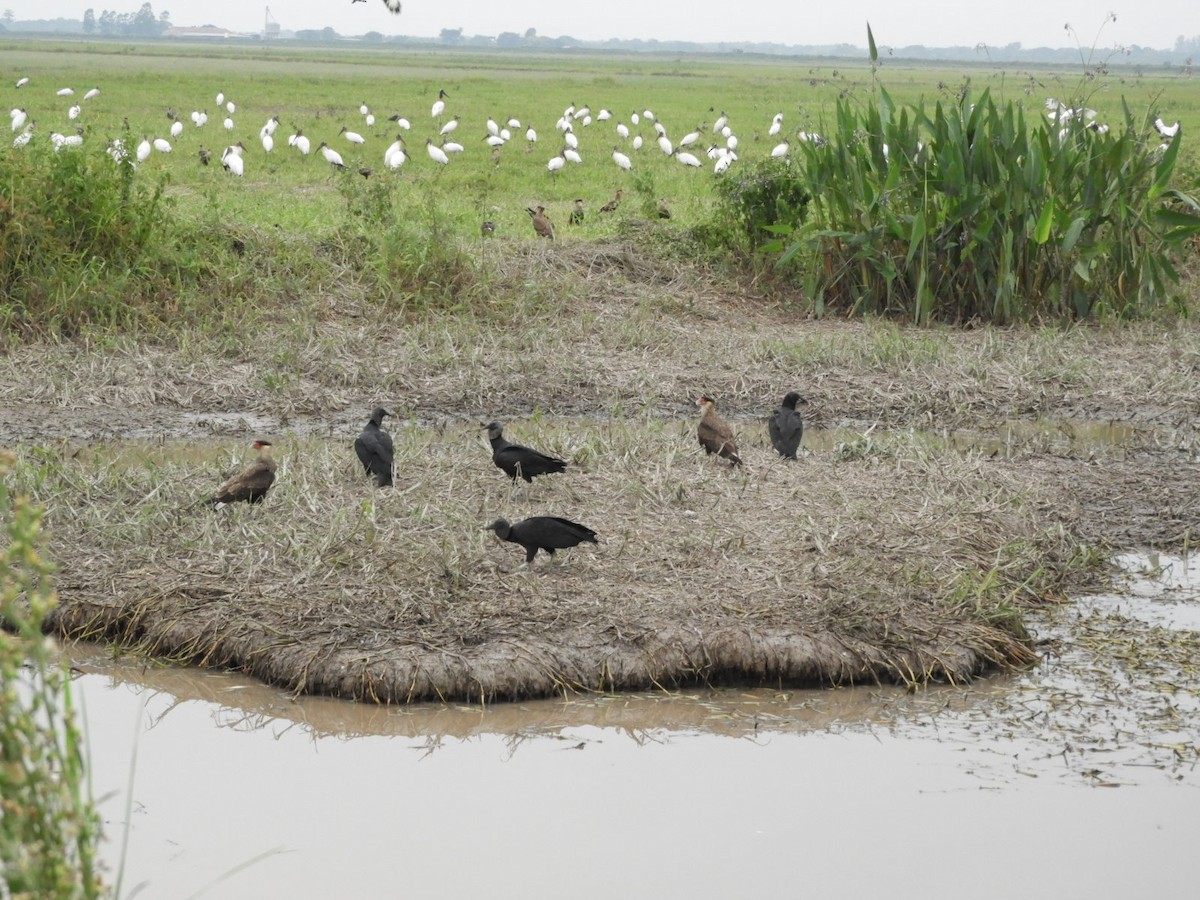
(1033, 23)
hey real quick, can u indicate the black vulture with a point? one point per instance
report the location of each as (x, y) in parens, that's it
(252, 483)
(547, 533)
(786, 427)
(714, 432)
(374, 448)
(518, 461)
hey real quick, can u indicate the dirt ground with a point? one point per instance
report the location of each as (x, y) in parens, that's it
(952, 478)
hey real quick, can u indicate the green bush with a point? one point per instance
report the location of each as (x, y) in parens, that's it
(972, 212)
(49, 830)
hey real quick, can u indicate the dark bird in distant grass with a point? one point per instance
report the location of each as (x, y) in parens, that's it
(611, 205)
(252, 483)
(541, 224)
(714, 432)
(786, 426)
(487, 228)
(664, 211)
(520, 462)
(576, 214)
(547, 533)
(205, 155)
(374, 448)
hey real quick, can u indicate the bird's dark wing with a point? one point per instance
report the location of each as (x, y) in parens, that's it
(786, 428)
(525, 461)
(552, 533)
(251, 484)
(374, 449)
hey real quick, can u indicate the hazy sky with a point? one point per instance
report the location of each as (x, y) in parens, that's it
(1033, 23)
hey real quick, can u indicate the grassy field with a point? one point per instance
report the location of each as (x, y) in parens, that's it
(320, 90)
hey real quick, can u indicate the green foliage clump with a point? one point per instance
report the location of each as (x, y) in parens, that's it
(78, 238)
(758, 201)
(971, 212)
(49, 830)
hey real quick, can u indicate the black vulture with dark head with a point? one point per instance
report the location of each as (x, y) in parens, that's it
(547, 533)
(518, 461)
(786, 427)
(374, 448)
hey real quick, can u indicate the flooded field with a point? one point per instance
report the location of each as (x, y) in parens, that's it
(1078, 778)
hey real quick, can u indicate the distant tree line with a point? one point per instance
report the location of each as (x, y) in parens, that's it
(142, 23)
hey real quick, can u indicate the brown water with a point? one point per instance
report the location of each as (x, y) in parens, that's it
(1078, 779)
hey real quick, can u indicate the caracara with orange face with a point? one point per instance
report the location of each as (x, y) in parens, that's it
(252, 483)
(714, 432)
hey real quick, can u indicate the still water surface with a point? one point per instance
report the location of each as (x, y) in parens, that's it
(1077, 779)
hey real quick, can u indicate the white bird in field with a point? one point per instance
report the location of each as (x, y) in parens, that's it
(647, 115)
(363, 108)
(436, 153)
(514, 122)
(582, 113)
(370, 120)
(723, 163)
(687, 159)
(621, 160)
(162, 145)
(721, 122)
(493, 127)
(637, 142)
(300, 142)
(117, 150)
(690, 138)
(176, 128)
(623, 130)
(144, 149)
(24, 137)
(65, 92)
(352, 136)
(19, 117)
(232, 161)
(92, 94)
(570, 140)
(449, 127)
(220, 98)
(506, 134)
(268, 142)
(74, 111)
(199, 119)
(779, 151)
(494, 140)
(331, 156)
(230, 107)
(634, 118)
(531, 135)
(810, 137)
(21, 82)
(395, 155)
(587, 120)
(726, 131)
(603, 116)
(1167, 131)
(660, 129)
(65, 140)
(572, 155)
(664, 144)
(731, 142)
(556, 163)
(401, 122)
(452, 147)
(776, 125)
(270, 125)
(228, 123)
(439, 105)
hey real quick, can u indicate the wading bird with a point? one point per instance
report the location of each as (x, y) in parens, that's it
(622, 161)
(714, 433)
(232, 161)
(547, 533)
(517, 461)
(1167, 131)
(577, 213)
(436, 153)
(331, 156)
(786, 427)
(352, 136)
(374, 448)
(252, 483)
(541, 224)
(439, 105)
